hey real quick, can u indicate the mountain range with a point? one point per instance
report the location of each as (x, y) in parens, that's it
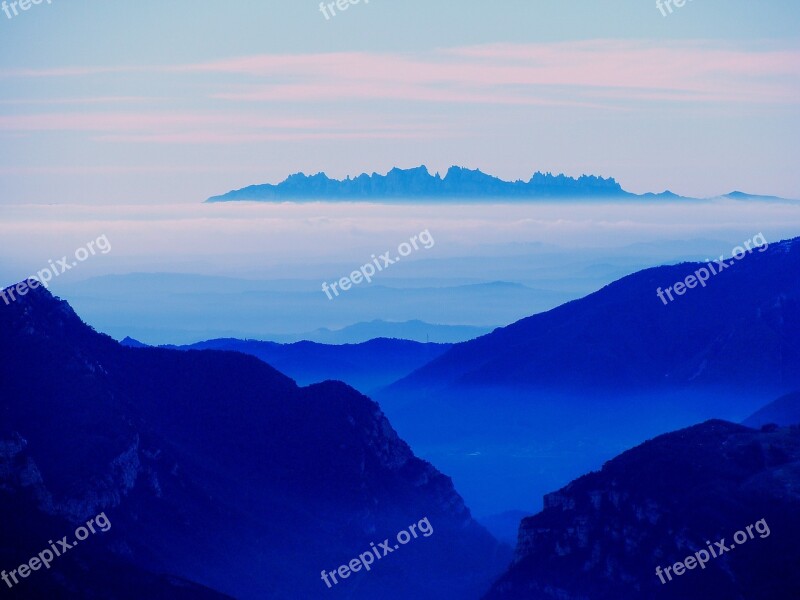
(525, 408)
(366, 366)
(358, 333)
(623, 335)
(602, 536)
(213, 468)
(415, 330)
(602, 373)
(458, 183)
(783, 411)
(225, 479)
(170, 308)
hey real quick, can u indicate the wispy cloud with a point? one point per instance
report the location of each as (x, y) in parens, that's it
(702, 71)
(701, 67)
(139, 121)
(231, 127)
(79, 101)
(295, 89)
(211, 137)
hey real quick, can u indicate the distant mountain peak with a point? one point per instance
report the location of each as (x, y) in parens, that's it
(133, 343)
(458, 183)
(736, 195)
(39, 308)
(417, 182)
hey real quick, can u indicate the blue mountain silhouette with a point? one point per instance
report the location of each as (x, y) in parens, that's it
(367, 366)
(783, 411)
(216, 468)
(458, 182)
(603, 535)
(560, 392)
(741, 329)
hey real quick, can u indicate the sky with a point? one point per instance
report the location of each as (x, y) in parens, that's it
(117, 103)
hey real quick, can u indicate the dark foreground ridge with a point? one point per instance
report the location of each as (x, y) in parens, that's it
(214, 468)
(603, 535)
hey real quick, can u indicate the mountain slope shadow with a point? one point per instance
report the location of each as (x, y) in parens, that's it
(217, 468)
(603, 535)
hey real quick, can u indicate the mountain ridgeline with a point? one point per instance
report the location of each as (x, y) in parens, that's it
(458, 183)
(366, 366)
(214, 468)
(783, 411)
(601, 374)
(741, 328)
(602, 536)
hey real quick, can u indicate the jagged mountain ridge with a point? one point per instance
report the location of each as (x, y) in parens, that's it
(417, 182)
(458, 183)
(602, 536)
(215, 467)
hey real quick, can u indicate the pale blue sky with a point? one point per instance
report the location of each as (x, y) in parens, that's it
(181, 100)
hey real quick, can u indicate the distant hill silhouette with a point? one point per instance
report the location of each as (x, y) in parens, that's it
(746, 196)
(132, 343)
(151, 307)
(504, 526)
(216, 468)
(458, 182)
(741, 329)
(366, 366)
(559, 392)
(415, 330)
(783, 411)
(602, 536)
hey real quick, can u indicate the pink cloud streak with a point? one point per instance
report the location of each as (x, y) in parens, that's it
(584, 75)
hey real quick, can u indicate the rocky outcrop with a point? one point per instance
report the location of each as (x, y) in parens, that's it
(18, 471)
(603, 535)
(458, 182)
(217, 468)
